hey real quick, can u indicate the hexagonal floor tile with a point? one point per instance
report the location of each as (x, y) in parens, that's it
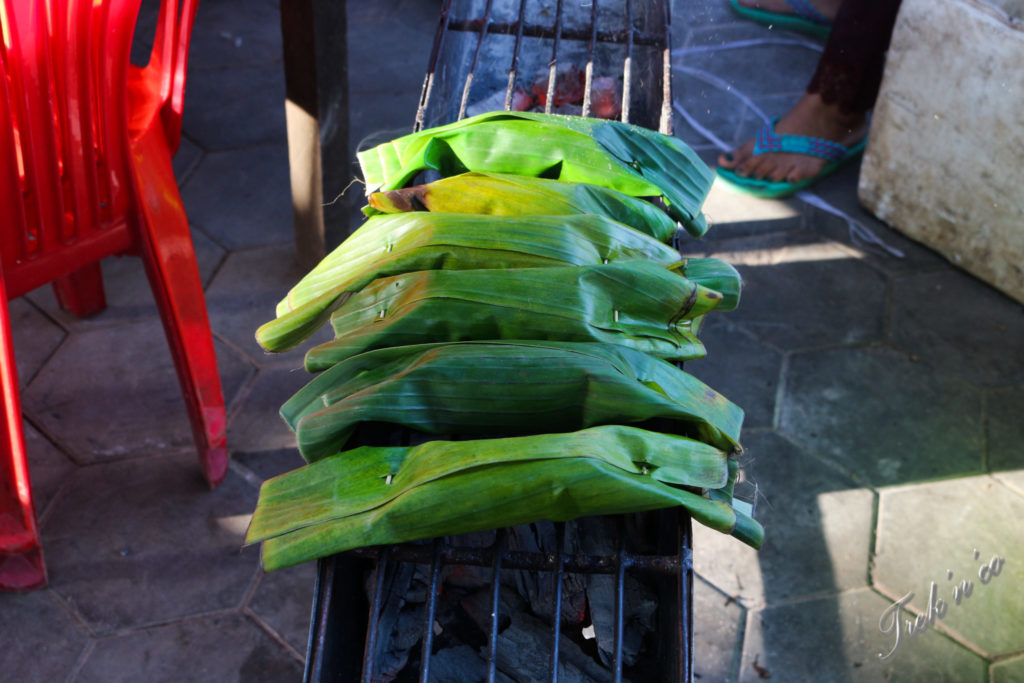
(284, 601)
(41, 642)
(817, 530)
(953, 321)
(791, 66)
(840, 193)
(186, 159)
(732, 215)
(245, 293)
(259, 104)
(112, 391)
(219, 648)
(144, 541)
(838, 638)
(717, 633)
(944, 533)
(48, 467)
(713, 108)
(882, 416)
(1005, 429)
(801, 292)
(741, 368)
(129, 297)
(1010, 671)
(223, 36)
(242, 198)
(257, 425)
(36, 337)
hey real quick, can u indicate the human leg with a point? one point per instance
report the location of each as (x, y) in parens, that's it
(835, 105)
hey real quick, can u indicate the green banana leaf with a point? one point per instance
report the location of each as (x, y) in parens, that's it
(400, 243)
(372, 496)
(516, 195)
(368, 477)
(632, 160)
(505, 387)
(637, 304)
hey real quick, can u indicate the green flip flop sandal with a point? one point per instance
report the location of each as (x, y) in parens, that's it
(806, 19)
(767, 140)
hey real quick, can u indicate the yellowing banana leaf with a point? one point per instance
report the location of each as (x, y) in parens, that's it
(372, 496)
(401, 243)
(505, 387)
(637, 304)
(717, 275)
(515, 195)
(629, 159)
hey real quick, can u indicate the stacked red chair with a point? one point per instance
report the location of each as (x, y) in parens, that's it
(86, 141)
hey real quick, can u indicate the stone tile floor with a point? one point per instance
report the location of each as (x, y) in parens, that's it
(883, 400)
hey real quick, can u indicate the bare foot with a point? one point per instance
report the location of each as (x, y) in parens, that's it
(810, 116)
(828, 8)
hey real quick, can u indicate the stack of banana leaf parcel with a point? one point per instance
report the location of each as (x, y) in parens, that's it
(526, 305)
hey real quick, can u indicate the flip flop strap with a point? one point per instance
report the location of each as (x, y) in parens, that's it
(768, 141)
(806, 10)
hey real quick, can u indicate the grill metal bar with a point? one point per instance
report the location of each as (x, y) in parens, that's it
(588, 83)
(627, 68)
(492, 646)
(571, 33)
(620, 597)
(553, 66)
(513, 71)
(431, 611)
(476, 58)
(665, 122)
(518, 559)
(556, 611)
(685, 589)
(428, 81)
(369, 651)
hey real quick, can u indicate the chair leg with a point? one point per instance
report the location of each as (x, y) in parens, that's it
(169, 257)
(81, 292)
(21, 557)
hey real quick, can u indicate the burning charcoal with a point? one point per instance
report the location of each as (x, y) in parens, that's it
(605, 98)
(520, 101)
(569, 87)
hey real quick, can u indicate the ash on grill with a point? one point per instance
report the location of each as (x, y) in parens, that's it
(483, 606)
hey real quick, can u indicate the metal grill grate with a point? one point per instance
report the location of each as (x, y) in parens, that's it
(634, 34)
(481, 45)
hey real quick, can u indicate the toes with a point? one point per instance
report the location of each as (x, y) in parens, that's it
(737, 158)
(759, 167)
(785, 172)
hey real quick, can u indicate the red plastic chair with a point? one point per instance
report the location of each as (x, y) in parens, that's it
(86, 141)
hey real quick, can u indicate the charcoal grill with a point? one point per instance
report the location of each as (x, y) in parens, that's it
(484, 52)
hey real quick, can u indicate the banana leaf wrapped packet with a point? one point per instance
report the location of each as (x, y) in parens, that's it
(636, 304)
(626, 158)
(393, 244)
(505, 194)
(508, 388)
(377, 495)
